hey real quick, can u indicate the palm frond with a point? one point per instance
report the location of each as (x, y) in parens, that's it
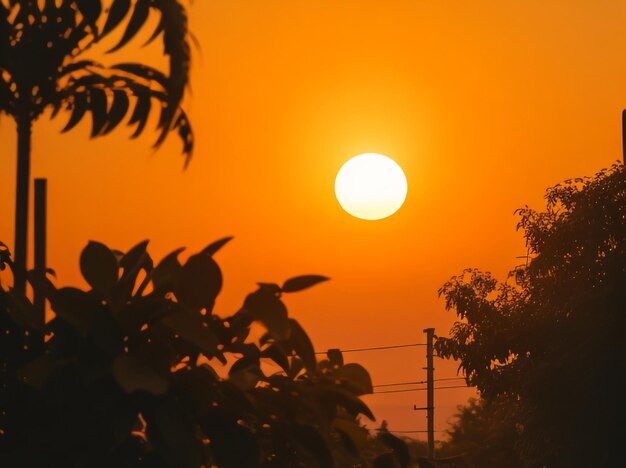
(144, 72)
(137, 19)
(117, 12)
(111, 94)
(173, 25)
(41, 43)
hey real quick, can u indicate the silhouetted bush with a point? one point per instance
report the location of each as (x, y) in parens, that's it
(483, 434)
(139, 372)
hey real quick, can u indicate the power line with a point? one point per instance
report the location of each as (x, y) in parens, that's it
(375, 348)
(450, 378)
(420, 389)
(408, 432)
(416, 382)
(400, 383)
(414, 432)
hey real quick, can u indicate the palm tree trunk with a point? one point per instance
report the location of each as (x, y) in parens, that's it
(22, 188)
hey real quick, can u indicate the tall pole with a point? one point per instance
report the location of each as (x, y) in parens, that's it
(40, 246)
(430, 392)
(22, 188)
(624, 136)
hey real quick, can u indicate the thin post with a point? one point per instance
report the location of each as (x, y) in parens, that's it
(22, 188)
(40, 245)
(624, 136)
(430, 392)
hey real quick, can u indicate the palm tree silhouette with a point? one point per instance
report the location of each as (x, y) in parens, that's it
(42, 66)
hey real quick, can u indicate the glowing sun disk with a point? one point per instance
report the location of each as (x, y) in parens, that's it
(371, 186)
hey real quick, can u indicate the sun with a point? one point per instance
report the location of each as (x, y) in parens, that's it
(371, 186)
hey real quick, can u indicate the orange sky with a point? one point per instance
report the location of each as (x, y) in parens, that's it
(483, 103)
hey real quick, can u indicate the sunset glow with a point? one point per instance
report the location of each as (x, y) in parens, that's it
(309, 121)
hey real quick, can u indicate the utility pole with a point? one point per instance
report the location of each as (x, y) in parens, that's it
(430, 392)
(624, 136)
(39, 299)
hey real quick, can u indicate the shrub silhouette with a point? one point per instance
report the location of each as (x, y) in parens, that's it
(139, 372)
(43, 66)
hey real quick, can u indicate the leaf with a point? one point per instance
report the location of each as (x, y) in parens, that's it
(98, 105)
(76, 307)
(145, 72)
(78, 111)
(266, 338)
(79, 65)
(158, 30)
(21, 310)
(132, 374)
(186, 135)
(354, 432)
(302, 345)
(133, 262)
(245, 363)
(271, 288)
(352, 404)
(137, 20)
(165, 275)
(118, 111)
(335, 356)
(136, 258)
(246, 371)
(296, 367)
(142, 311)
(40, 283)
(190, 327)
(199, 282)
(5, 253)
(399, 447)
(141, 113)
(299, 283)
(212, 248)
(99, 267)
(117, 12)
(268, 309)
(245, 378)
(276, 354)
(357, 377)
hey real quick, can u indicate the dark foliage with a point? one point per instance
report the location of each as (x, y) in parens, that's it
(551, 339)
(386, 450)
(139, 372)
(483, 434)
(44, 65)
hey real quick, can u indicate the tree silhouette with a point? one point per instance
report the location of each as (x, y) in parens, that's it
(551, 339)
(43, 66)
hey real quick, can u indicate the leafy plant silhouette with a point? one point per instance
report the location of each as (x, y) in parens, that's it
(139, 372)
(43, 66)
(549, 342)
